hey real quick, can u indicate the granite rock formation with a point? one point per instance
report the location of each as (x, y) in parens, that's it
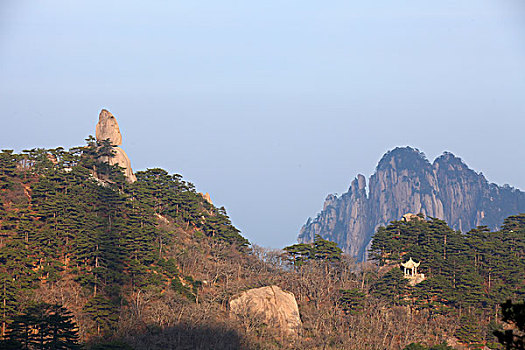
(271, 305)
(107, 129)
(206, 197)
(406, 182)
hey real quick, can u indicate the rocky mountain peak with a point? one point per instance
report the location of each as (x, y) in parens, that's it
(450, 162)
(361, 182)
(403, 158)
(330, 200)
(406, 182)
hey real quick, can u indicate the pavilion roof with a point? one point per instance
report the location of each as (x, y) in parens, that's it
(410, 264)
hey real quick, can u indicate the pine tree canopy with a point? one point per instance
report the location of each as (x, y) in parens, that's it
(68, 213)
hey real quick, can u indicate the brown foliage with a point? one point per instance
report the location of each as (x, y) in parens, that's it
(164, 319)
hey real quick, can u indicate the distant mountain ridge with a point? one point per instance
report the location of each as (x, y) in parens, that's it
(406, 182)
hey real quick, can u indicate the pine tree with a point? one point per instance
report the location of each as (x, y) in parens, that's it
(8, 162)
(300, 253)
(104, 312)
(352, 300)
(392, 287)
(514, 314)
(44, 326)
(63, 332)
(326, 250)
(321, 250)
(469, 330)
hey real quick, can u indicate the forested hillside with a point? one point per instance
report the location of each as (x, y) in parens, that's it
(462, 279)
(90, 259)
(478, 270)
(467, 275)
(71, 225)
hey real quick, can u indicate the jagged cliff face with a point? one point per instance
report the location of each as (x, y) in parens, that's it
(406, 182)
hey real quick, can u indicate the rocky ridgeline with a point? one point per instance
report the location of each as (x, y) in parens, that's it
(406, 182)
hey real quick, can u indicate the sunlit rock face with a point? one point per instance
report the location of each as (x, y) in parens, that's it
(206, 197)
(406, 182)
(271, 305)
(107, 129)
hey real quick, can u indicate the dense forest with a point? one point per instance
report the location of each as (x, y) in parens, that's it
(467, 275)
(477, 270)
(90, 260)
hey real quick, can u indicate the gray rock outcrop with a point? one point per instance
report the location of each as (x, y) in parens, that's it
(406, 182)
(273, 306)
(107, 129)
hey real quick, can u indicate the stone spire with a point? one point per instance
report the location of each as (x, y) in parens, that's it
(107, 128)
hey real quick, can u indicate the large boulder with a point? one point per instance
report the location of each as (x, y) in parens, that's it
(273, 306)
(107, 128)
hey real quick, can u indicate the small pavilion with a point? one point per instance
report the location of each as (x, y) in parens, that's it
(410, 267)
(410, 270)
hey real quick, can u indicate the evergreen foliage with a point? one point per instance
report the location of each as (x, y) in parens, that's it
(320, 249)
(170, 196)
(479, 269)
(469, 330)
(514, 314)
(352, 300)
(131, 249)
(392, 287)
(43, 326)
(69, 213)
(300, 253)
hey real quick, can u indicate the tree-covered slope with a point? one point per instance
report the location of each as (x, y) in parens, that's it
(66, 217)
(460, 283)
(479, 269)
(90, 259)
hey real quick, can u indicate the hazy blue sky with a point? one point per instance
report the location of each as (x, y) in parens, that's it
(270, 105)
